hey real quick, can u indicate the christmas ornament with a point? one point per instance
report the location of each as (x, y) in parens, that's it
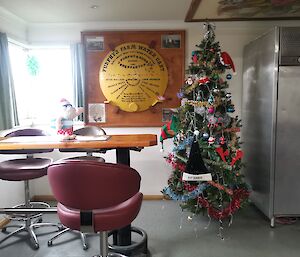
(183, 101)
(180, 95)
(230, 109)
(212, 121)
(205, 136)
(228, 95)
(222, 140)
(228, 76)
(199, 110)
(195, 59)
(211, 140)
(196, 133)
(189, 81)
(211, 110)
(203, 80)
(211, 99)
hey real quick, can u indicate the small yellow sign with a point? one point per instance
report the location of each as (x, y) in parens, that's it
(133, 76)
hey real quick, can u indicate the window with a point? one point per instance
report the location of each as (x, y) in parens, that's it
(42, 76)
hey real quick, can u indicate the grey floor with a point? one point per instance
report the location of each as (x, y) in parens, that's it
(173, 233)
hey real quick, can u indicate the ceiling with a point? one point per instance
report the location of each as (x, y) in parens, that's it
(61, 11)
(74, 11)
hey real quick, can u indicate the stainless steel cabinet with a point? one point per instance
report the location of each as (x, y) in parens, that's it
(271, 121)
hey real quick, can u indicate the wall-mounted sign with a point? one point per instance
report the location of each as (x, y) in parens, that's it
(133, 76)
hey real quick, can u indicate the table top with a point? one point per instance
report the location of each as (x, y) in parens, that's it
(50, 142)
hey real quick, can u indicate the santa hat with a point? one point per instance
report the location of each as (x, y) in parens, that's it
(227, 61)
(64, 102)
(195, 168)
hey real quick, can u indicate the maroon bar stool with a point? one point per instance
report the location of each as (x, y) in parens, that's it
(85, 131)
(25, 169)
(95, 197)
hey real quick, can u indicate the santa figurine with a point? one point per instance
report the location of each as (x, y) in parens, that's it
(64, 121)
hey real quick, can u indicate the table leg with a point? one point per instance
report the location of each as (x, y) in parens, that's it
(123, 235)
(123, 156)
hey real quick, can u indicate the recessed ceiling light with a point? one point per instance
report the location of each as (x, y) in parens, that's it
(94, 6)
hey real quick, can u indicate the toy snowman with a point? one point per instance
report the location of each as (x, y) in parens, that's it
(64, 121)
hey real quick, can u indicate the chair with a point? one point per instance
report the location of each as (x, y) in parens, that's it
(25, 169)
(100, 197)
(85, 131)
(88, 131)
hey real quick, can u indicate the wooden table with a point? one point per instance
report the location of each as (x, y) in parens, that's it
(49, 142)
(122, 143)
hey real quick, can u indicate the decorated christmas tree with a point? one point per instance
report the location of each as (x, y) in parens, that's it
(207, 156)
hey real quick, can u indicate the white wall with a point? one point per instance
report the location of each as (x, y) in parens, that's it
(13, 26)
(11, 193)
(233, 36)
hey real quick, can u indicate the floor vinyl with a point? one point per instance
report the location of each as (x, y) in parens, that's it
(173, 233)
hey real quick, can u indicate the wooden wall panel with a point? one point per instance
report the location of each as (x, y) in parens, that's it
(173, 57)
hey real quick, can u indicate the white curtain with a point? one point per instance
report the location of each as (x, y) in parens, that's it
(8, 107)
(78, 71)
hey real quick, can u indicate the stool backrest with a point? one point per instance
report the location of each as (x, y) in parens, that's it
(90, 131)
(88, 185)
(26, 132)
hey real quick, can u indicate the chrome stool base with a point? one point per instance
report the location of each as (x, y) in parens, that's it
(82, 236)
(29, 228)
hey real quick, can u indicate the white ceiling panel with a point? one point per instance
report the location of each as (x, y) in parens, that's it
(59, 11)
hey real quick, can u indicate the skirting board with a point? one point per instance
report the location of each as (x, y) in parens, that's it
(47, 198)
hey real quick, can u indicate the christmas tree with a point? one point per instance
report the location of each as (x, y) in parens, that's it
(207, 157)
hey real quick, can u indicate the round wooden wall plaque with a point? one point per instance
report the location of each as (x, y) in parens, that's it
(133, 76)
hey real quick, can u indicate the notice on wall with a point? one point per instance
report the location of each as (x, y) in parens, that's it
(97, 112)
(133, 77)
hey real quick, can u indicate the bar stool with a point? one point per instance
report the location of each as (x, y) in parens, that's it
(100, 197)
(85, 131)
(92, 131)
(25, 169)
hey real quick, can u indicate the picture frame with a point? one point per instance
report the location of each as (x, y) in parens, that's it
(95, 43)
(242, 10)
(171, 41)
(96, 112)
